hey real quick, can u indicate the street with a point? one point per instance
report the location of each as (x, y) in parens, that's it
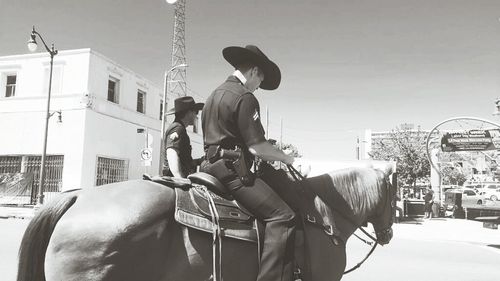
(412, 260)
(430, 250)
(11, 233)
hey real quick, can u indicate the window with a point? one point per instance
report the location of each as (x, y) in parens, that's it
(10, 86)
(141, 101)
(23, 172)
(161, 109)
(469, 193)
(111, 170)
(113, 89)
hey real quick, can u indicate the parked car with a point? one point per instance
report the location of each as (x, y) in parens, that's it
(469, 196)
(456, 199)
(492, 193)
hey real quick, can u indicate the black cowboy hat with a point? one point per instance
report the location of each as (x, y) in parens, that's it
(237, 55)
(185, 103)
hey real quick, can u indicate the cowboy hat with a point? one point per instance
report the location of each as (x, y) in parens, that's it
(185, 103)
(237, 55)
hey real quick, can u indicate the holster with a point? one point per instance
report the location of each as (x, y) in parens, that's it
(242, 169)
(221, 169)
(227, 164)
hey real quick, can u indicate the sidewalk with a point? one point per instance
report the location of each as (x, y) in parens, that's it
(448, 230)
(19, 212)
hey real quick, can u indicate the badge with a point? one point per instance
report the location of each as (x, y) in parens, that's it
(174, 136)
(256, 115)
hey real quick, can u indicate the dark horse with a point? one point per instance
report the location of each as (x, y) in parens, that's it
(127, 231)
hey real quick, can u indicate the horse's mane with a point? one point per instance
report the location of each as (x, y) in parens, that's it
(361, 188)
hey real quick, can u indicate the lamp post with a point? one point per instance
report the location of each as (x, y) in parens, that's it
(164, 115)
(497, 107)
(32, 46)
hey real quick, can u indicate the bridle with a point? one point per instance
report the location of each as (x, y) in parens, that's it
(380, 233)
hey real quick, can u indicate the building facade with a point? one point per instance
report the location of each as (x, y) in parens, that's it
(103, 116)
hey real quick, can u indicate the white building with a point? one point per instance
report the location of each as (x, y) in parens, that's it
(103, 107)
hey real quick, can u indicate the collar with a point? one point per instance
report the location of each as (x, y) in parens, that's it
(180, 122)
(240, 76)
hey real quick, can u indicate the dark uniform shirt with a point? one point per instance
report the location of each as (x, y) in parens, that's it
(177, 138)
(231, 116)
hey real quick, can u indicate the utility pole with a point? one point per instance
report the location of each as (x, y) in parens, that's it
(357, 148)
(281, 135)
(267, 122)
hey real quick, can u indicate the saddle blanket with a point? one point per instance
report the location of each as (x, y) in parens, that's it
(192, 209)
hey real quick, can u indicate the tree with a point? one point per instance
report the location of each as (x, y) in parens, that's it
(454, 176)
(407, 147)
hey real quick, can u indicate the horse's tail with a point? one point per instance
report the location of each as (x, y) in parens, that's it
(36, 238)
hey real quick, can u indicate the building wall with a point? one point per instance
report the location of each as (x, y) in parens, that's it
(117, 123)
(91, 125)
(22, 117)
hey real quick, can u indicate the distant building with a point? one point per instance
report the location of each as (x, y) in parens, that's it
(101, 112)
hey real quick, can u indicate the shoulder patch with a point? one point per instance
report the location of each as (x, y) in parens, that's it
(256, 115)
(174, 136)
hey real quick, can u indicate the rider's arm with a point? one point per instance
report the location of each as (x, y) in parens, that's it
(174, 163)
(268, 152)
(252, 132)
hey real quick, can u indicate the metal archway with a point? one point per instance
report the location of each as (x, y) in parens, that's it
(429, 136)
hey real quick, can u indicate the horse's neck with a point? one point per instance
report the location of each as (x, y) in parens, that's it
(333, 205)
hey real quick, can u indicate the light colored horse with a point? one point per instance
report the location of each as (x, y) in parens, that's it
(127, 231)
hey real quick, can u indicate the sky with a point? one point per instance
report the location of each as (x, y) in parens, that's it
(347, 65)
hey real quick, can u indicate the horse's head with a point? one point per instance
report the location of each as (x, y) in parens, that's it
(369, 195)
(382, 219)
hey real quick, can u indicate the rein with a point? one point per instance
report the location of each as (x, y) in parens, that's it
(296, 175)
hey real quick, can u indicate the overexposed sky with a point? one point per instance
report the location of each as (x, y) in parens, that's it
(346, 65)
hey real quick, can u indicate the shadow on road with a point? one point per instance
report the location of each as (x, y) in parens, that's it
(494, 246)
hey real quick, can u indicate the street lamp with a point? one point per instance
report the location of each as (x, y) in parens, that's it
(32, 46)
(497, 107)
(164, 115)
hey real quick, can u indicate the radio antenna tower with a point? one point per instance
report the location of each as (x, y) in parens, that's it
(175, 77)
(176, 81)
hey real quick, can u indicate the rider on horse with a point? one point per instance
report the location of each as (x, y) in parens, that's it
(232, 126)
(178, 161)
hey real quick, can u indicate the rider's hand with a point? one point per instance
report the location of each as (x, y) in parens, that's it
(289, 160)
(302, 165)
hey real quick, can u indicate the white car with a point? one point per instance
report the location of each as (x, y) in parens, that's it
(469, 196)
(492, 194)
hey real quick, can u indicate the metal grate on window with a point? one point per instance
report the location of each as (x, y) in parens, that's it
(10, 164)
(53, 172)
(111, 170)
(30, 165)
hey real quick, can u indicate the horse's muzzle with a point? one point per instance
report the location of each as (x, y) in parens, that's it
(384, 236)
